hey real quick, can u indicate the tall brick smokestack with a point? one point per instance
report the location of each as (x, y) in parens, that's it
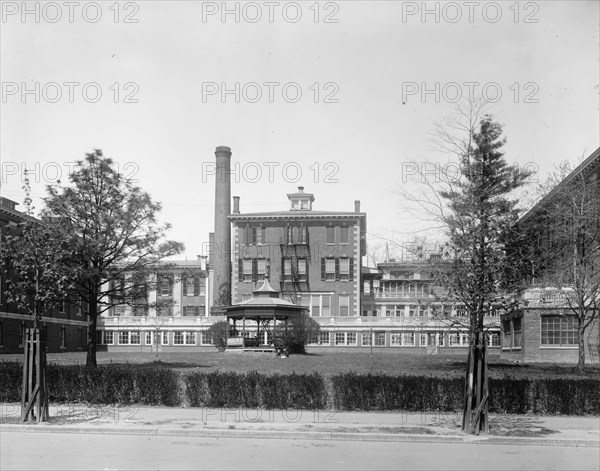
(222, 253)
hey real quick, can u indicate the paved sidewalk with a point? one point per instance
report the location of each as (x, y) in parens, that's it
(331, 425)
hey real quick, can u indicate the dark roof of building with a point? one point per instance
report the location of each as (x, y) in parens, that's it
(587, 165)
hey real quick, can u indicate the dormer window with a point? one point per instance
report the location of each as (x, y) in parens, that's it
(304, 204)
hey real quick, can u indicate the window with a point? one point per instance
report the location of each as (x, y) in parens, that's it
(423, 340)
(432, 340)
(324, 338)
(320, 305)
(340, 338)
(296, 235)
(366, 339)
(165, 286)
(247, 269)
(408, 339)
(454, 340)
(302, 269)
(190, 285)
(517, 333)
(164, 338)
(395, 339)
(326, 304)
(560, 331)
(190, 338)
(344, 301)
(206, 338)
(506, 337)
(119, 310)
(178, 338)
(123, 337)
(134, 337)
(379, 339)
(287, 269)
(344, 269)
(304, 204)
(191, 311)
(62, 307)
(148, 338)
(344, 235)
(351, 338)
(255, 235)
(330, 235)
(329, 268)
(261, 266)
(494, 339)
(63, 337)
(109, 337)
(140, 310)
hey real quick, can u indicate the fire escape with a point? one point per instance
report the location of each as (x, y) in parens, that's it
(295, 248)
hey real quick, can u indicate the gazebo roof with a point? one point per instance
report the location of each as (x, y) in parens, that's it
(265, 297)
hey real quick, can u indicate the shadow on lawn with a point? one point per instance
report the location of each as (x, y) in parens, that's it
(500, 425)
(158, 364)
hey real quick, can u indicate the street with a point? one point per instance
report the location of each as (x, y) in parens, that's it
(50, 451)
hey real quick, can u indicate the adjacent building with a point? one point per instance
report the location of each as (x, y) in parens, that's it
(65, 327)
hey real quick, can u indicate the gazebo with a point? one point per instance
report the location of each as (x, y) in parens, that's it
(251, 323)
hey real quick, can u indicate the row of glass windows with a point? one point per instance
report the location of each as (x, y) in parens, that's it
(400, 339)
(134, 337)
(190, 286)
(141, 311)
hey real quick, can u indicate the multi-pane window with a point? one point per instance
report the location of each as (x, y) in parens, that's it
(423, 340)
(108, 337)
(302, 269)
(432, 339)
(178, 338)
(320, 305)
(345, 338)
(255, 235)
(454, 339)
(408, 339)
(366, 339)
(206, 338)
(287, 268)
(148, 338)
(123, 337)
(190, 338)
(296, 235)
(192, 286)
(324, 338)
(395, 339)
(344, 268)
(191, 311)
(379, 339)
(247, 269)
(344, 301)
(261, 266)
(165, 286)
(140, 310)
(134, 337)
(330, 235)
(330, 268)
(559, 331)
(344, 235)
(494, 339)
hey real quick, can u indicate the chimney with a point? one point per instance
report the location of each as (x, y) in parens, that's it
(356, 206)
(222, 245)
(236, 205)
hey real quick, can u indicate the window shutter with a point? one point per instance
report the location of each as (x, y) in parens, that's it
(240, 269)
(196, 286)
(247, 235)
(351, 274)
(322, 269)
(337, 268)
(263, 235)
(283, 273)
(184, 285)
(254, 270)
(171, 285)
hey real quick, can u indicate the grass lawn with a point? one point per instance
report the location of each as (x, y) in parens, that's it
(327, 363)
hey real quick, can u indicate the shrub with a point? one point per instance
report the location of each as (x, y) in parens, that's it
(297, 333)
(255, 390)
(11, 377)
(218, 334)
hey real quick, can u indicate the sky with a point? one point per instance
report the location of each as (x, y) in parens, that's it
(339, 97)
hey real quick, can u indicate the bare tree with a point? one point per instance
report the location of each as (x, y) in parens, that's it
(565, 230)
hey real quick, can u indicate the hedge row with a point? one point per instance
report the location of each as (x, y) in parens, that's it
(350, 391)
(104, 385)
(550, 396)
(292, 391)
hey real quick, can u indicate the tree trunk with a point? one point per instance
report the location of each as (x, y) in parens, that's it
(475, 410)
(91, 334)
(581, 342)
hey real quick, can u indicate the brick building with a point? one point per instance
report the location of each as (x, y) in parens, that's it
(545, 328)
(172, 316)
(65, 326)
